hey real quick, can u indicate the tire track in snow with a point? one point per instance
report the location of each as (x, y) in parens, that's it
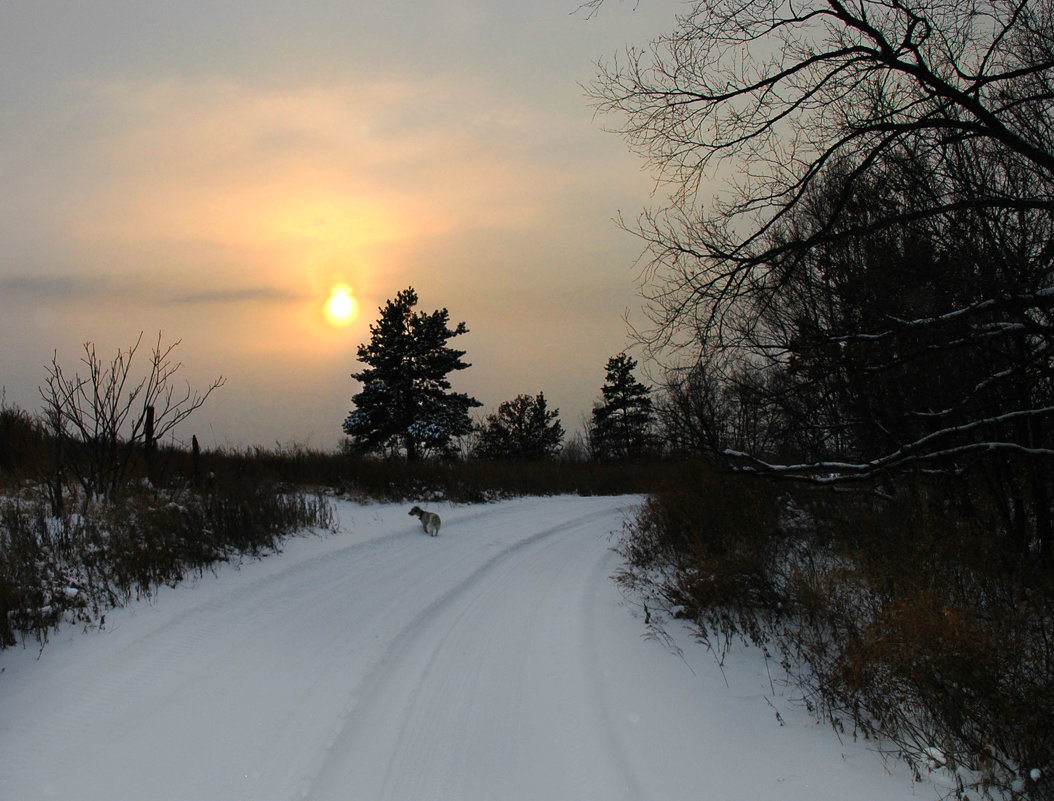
(416, 707)
(161, 653)
(604, 700)
(254, 685)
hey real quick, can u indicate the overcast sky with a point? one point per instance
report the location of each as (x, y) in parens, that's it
(210, 170)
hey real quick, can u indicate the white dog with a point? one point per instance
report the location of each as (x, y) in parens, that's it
(430, 521)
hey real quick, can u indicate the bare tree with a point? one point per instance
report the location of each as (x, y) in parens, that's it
(848, 147)
(770, 95)
(99, 420)
(716, 407)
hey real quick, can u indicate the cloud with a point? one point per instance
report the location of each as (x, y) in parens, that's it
(57, 287)
(239, 296)
(221, 160)
(213, 183)
(140, 289)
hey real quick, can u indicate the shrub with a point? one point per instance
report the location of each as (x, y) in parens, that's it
(76, 566)
(902, 619)
(22, 445)
(703, 549)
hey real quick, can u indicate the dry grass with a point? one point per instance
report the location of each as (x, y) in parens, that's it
(910, 621)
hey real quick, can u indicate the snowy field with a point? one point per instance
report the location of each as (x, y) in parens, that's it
(496, 662)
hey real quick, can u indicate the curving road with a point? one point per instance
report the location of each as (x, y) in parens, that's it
(496, 661)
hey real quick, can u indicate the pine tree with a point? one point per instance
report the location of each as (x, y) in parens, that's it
(522, 428)
(621, 425)
(405, 402)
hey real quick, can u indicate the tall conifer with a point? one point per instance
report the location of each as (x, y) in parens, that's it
(406, 403)
(621, 424)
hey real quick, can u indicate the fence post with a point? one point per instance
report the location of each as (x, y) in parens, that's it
(149, 429)
(195, 460)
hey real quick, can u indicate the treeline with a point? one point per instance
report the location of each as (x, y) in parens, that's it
(858, 327)
(68, 555)
(406, 407)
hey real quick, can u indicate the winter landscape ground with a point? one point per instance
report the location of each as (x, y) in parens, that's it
(496, 661)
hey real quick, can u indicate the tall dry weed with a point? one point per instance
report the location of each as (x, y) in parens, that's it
(907, 620)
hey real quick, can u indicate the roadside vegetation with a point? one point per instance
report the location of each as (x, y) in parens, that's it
(69, 555)
(907, 621)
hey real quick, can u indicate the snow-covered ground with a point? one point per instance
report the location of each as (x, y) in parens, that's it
(496, 662)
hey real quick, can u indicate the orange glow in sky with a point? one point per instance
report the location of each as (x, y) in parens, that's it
(261, 190)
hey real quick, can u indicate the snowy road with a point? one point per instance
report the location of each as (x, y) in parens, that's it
(496, 662)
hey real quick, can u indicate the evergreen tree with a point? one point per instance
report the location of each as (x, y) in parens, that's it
(621, 425)
(522, 428)
(405, 402)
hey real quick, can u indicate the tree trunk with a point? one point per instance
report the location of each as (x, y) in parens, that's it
(1041, 502)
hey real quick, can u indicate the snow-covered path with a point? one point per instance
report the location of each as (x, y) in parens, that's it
(495, 662)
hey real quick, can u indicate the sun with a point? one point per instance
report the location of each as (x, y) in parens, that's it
(340, 307)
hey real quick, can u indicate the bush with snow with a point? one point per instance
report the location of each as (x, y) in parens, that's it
(73, 567)
(907, 622)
